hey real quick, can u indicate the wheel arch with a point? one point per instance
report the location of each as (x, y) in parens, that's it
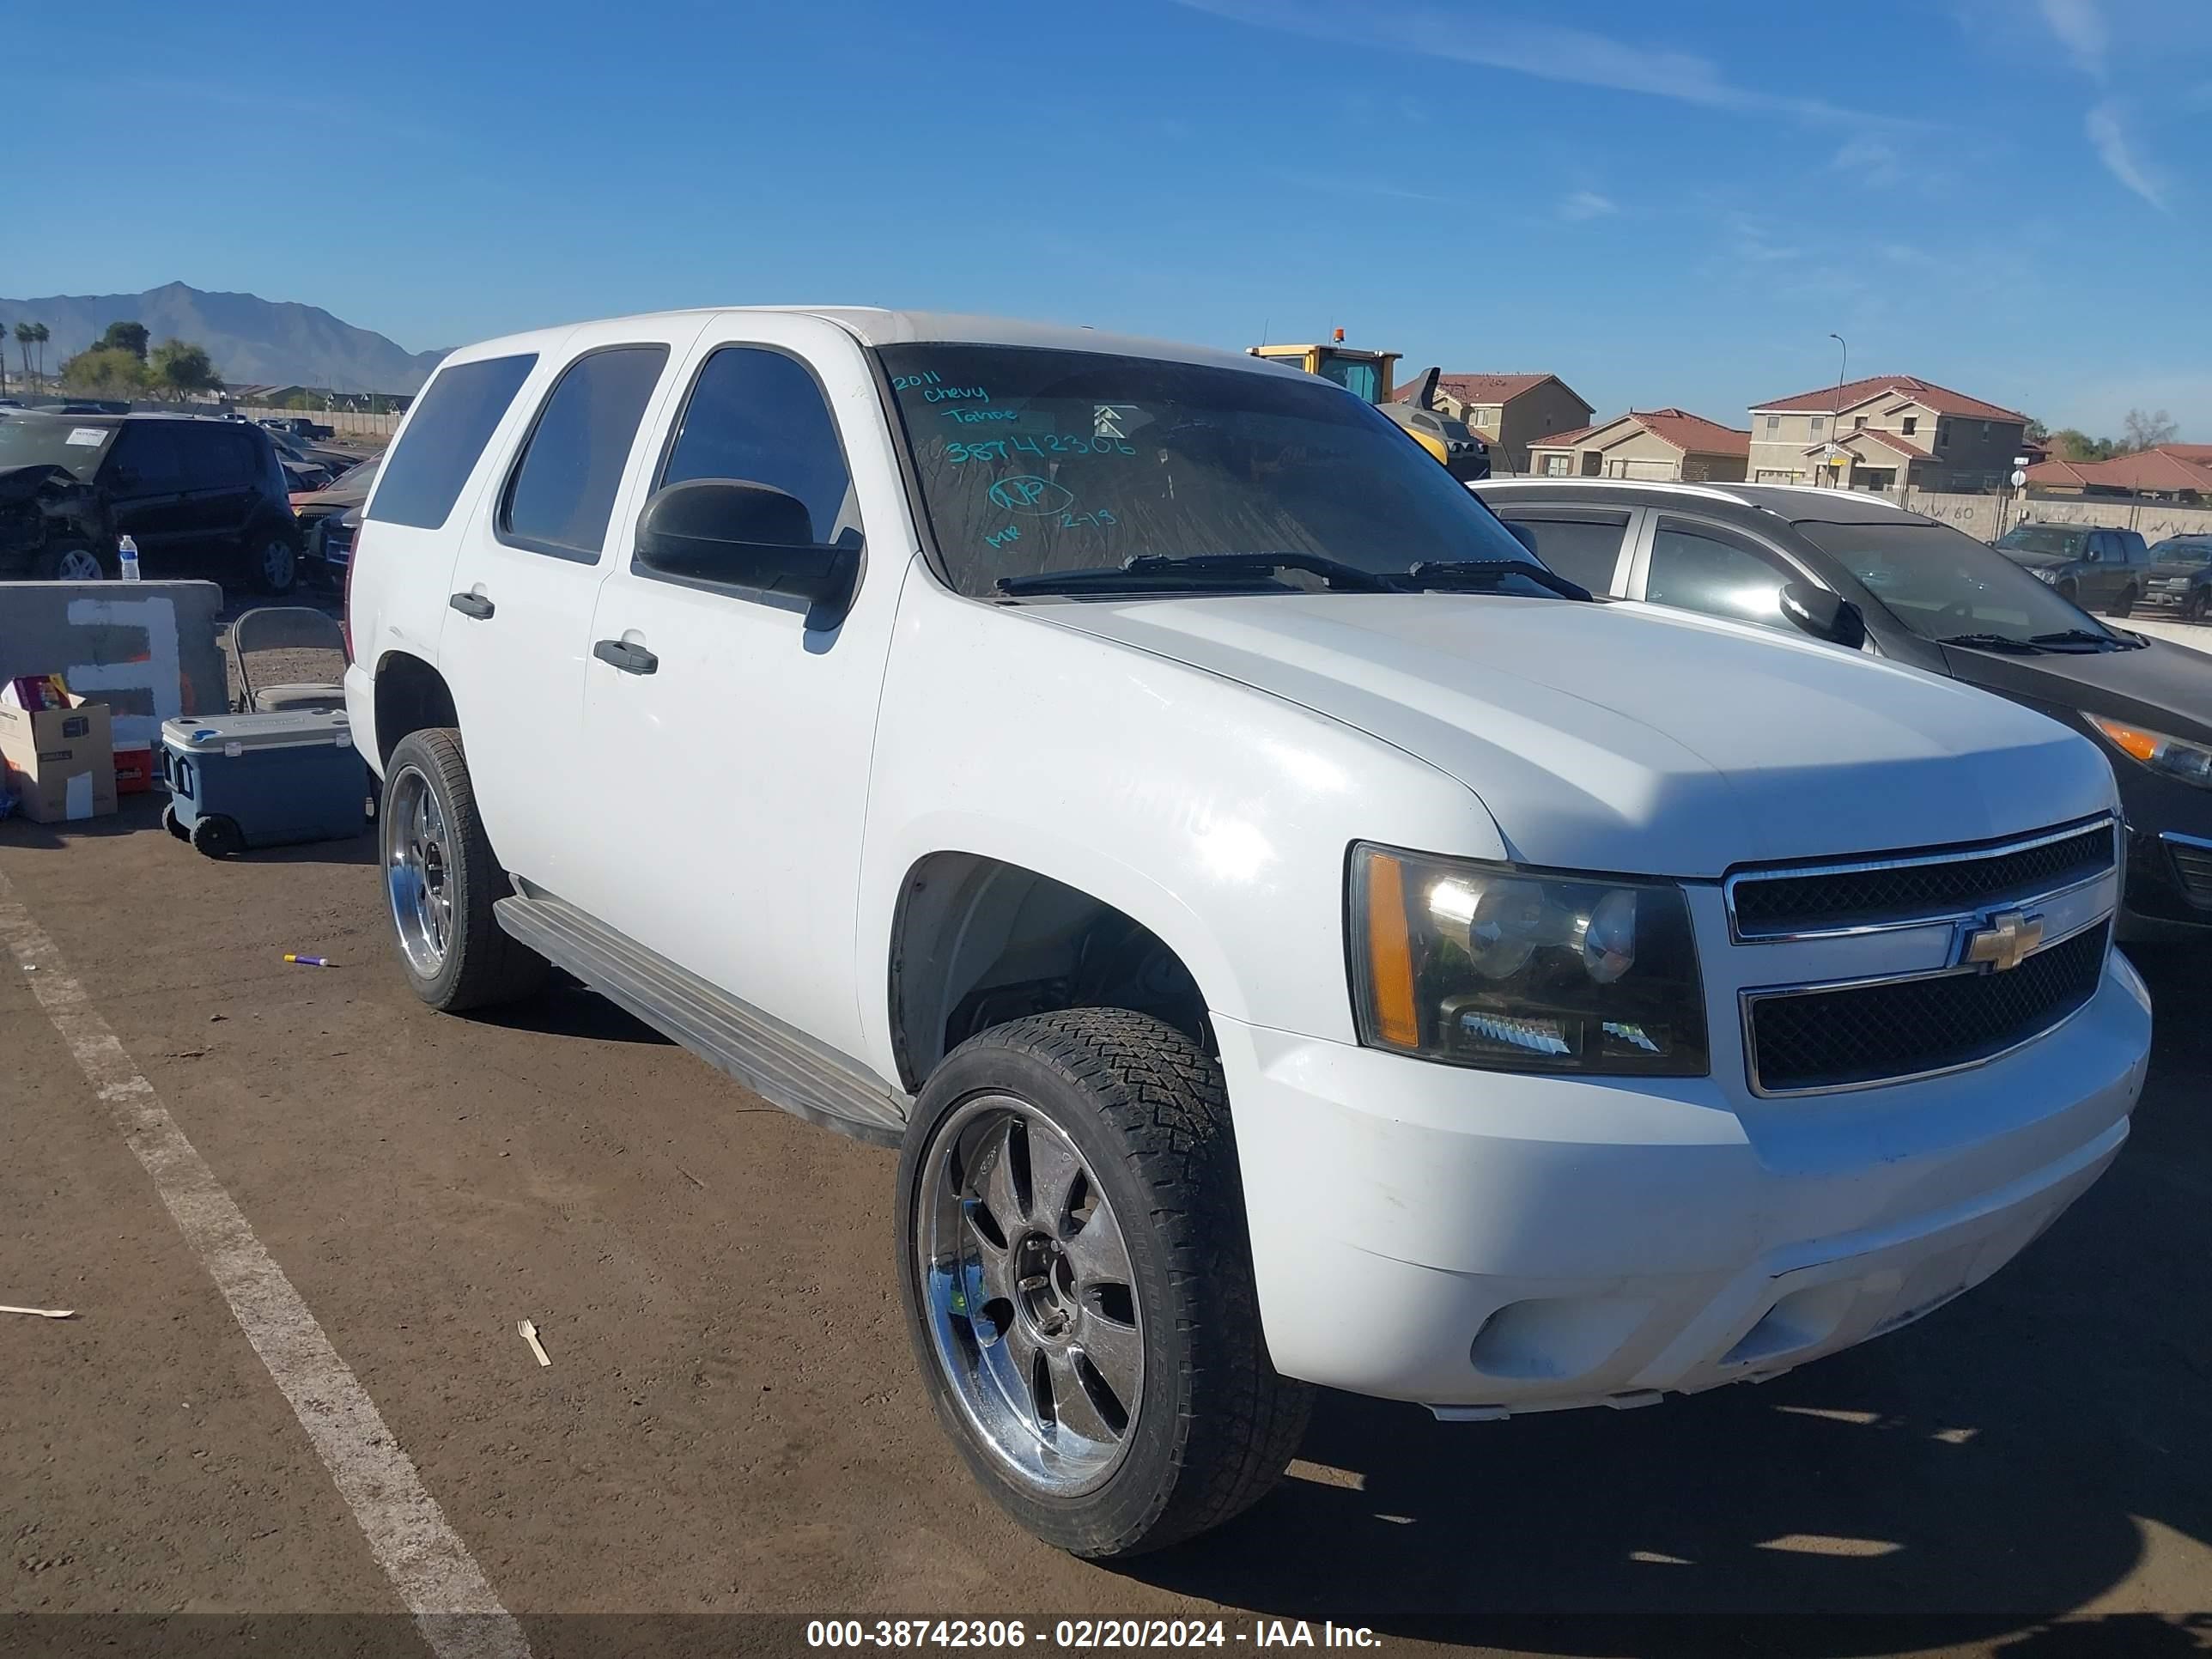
(978, 939)
(410, 694)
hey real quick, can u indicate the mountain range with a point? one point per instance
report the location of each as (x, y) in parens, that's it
(252, 340)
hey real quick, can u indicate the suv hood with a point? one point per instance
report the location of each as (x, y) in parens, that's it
(2196, 568)
(2165, 686)
(1638, 739)
(20, 483)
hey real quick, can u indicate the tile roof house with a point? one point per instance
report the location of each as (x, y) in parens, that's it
(2158, 472)
(1884, 431)
(1508, 410)
(1671, 445)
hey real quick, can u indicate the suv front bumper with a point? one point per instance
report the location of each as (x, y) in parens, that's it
(1486, 1243)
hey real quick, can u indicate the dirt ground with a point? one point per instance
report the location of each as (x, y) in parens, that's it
(732, 1423)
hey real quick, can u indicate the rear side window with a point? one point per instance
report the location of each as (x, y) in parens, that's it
(562, 492)
(1583, 549)
(451, 424)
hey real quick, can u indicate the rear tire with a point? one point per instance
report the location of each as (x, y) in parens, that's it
(2124, 604)
(1060, 1119)
(441, 880)
(2199, 603)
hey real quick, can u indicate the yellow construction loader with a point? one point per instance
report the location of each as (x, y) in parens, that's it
(1370, 375)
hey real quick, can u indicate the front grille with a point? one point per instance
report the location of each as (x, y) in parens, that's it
(1916, 887)
(2194, 866)
(1878, 1033)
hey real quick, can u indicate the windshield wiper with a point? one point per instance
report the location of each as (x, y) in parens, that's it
(1236, 570)
(1231, 570)
(1335, 572)
(1488, 572)
(2083, 636)
(1995, 643)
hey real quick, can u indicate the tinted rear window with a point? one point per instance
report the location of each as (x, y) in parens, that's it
(446, 432)
(564, 493)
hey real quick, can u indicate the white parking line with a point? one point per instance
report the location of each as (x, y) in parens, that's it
(454, 1606)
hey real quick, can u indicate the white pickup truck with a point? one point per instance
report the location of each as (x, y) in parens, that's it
(1293, 937)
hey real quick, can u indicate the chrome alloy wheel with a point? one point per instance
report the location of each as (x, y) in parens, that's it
(79, 564)
(1031, 1298)
(418, 872)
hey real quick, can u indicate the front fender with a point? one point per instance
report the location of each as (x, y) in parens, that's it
(1218, 816)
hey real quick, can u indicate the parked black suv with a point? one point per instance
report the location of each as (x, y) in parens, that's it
(1927, 596)
(2096, 568)
(2180, 577)
(199, 496)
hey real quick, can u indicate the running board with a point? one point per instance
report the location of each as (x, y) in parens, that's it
(782, 1066)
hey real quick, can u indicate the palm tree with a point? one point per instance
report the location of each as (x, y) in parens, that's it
(40, 334)
(23, 338)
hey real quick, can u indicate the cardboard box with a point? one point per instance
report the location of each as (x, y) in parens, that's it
(60, 762)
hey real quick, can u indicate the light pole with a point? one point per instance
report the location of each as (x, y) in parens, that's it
(1836, 415)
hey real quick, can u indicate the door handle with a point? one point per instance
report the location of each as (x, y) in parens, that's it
(630, 658)
(472, 605)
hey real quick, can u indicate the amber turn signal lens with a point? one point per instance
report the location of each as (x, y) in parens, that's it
(1390, 953)
(2129, 739)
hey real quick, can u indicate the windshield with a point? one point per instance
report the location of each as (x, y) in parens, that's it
(1034, 461)
(1942, 583)
(31, 440)
(2045, 539)
(2176, 551)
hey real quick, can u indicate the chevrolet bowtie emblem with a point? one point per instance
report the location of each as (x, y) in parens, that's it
(2011, 936)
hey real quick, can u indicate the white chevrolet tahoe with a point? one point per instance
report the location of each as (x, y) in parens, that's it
(1292, 936)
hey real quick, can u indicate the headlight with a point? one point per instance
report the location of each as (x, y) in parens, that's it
(1478, 964)
(2041, 574)
(2177, 758)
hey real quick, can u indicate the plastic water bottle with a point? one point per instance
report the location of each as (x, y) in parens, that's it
(127, 551)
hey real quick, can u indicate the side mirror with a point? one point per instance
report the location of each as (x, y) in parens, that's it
(1522, 534)
(732, 532)
(1823, 615)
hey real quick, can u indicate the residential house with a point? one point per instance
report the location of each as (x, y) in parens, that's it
(2165, 474)
(1885, 432)
(1666, 444)
(1510, 411)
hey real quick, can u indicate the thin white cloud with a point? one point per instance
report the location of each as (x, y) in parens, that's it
(1548, 52)
(1870, 161)
(1586, 205)
(2080, 27)
(2110, 140)
(1753, 240)
(1347, 184)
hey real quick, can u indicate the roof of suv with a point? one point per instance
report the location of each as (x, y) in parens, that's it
(877, 326)
(1797, 503)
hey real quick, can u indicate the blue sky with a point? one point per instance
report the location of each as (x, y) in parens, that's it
(1662, 204)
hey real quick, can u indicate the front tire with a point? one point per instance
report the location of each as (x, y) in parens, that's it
(441, 880)
(2069, 592)
(1076, 1277)
(2199, 603)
